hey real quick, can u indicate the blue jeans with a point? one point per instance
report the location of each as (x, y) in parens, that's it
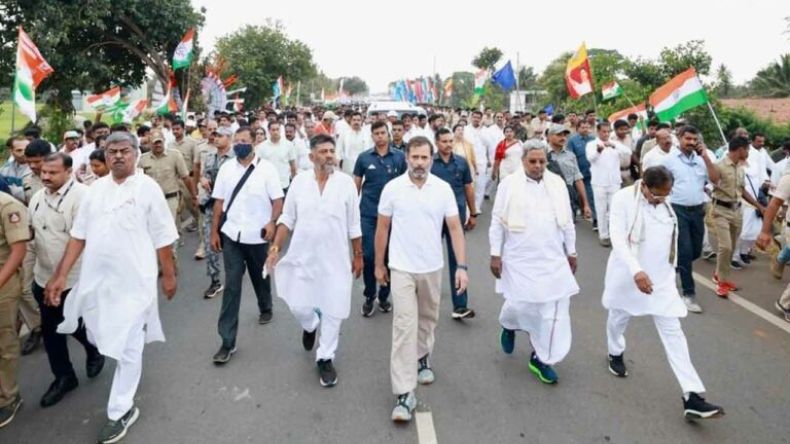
(589, 192)
(369, 261)
(784, 255)
(691, 230)
(459, 299)
(238, 256)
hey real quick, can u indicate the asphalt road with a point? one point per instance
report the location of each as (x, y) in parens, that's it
(269, 392)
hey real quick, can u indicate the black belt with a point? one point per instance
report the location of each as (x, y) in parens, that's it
(172, 195)
(689, 207)
(628, 168)
(725, 204)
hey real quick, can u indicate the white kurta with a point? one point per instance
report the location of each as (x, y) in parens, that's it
(651, 255)
(512, 160)
(349, 145)
(123, 225)
(535, 261)
(756, 173)
(316, 270)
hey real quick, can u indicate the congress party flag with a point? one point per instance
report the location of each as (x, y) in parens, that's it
(611, 90)
(184, 51)
(480, 81)
(105, 101)
(31, 69)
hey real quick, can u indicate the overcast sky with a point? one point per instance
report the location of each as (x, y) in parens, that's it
(384, 41)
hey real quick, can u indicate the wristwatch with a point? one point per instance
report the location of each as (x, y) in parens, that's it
(274, 249)
(462, 267)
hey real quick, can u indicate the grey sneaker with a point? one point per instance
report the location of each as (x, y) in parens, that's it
(404, 406)
(425, 373)
(691, 304)
(327, 373)
(784, 311)
(223, 355)
(213, 290)
(114, 431)
(8, 412)
(606, 242)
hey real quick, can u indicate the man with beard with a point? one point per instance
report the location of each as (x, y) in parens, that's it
(321, 209)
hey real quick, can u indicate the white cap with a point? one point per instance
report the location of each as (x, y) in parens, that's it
(392, 114)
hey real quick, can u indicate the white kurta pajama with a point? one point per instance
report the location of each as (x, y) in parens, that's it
(644, 238)
(537, 281)
(756, 166)
(116, 295)
(315, 273)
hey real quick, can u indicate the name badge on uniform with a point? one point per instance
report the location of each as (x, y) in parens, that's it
(14, 217)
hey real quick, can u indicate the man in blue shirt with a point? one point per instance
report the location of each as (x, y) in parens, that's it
(691, 168)
(455, 171)
(577, 144)
(373, 169)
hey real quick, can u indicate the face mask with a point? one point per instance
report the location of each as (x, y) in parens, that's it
(242, 150)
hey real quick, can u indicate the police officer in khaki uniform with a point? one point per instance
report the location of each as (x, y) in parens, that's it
(724, 214)
(188, 147)
(14, 234)
(168, 169)
(205, 147)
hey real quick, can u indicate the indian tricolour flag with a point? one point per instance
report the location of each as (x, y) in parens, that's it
(611, 90)
(31, 69)
(105, 101)
(184, 51)
(480, 81)
(679, 95)
(623, 114)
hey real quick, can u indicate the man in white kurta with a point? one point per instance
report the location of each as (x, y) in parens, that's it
(116, 292)
(352, 142)
(533, 254)
(314, 278)
(640, 281)
(757, 166)
(604, 156)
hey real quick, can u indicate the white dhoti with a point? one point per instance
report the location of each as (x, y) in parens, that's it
(643, 240)
(548, 325)
(537, 282)
(482, 180)
(309, 319)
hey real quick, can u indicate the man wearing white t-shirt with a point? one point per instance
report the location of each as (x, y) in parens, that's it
(352, 142)
(604, 156)
(280, 152)
(475, 133)
(415, 206)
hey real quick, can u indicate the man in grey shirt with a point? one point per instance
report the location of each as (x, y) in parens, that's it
(568, 165)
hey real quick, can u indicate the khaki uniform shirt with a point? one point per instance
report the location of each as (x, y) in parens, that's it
(732, 182)
(51, 216)
(14, 225)
(189, 149)
(31, 183)
(167, 169)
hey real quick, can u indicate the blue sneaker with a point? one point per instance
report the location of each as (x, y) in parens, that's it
(544, 372)
(508, 340)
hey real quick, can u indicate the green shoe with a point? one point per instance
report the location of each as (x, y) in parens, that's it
(544, 372)
(115, 431)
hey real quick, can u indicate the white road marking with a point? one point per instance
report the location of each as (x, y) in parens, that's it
(426, 434)
(747, 305)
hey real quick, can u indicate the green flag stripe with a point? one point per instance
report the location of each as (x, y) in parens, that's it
(692, 100)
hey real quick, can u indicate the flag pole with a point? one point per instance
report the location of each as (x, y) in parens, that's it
(13, 115)
(718, 124)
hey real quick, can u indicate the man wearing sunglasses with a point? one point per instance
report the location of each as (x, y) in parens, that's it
(640, 281)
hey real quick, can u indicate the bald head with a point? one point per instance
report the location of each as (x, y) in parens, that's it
(664, 139)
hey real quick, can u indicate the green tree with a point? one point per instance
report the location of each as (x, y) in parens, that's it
(463, 89)
(553, 79)
(773, 80)
(94, 46)
(258, 55)
(487, 58)
(681, 57)
(527, 78)
(354, 85)
(724, 85)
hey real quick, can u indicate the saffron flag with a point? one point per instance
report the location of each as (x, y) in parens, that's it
(578, 76)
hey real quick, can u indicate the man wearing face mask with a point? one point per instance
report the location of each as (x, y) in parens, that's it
(322, 208)
(533, 254)
(640, 281)
(248, 199)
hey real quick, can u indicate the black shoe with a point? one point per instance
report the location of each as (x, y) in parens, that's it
(114, 431)
(697, 408)
(94, 365)
(328, 375)
(213, 290)
(367, 308)
(385, 306)
(265, 317)
(8, 412)
(595, 225)
(617, 366)
(223, 355)
(308, 339)
(463, 313)
(751, 256)
(58, 389)
(32, 342)
(735, 265)
(746, 259)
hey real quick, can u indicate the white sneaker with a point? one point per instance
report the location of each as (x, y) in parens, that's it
(691, 304)
(404, 407)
